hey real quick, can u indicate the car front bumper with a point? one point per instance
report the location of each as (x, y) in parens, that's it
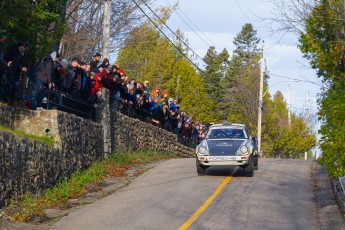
(223, 160)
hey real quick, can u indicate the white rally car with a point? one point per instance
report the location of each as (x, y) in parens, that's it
(227, 144)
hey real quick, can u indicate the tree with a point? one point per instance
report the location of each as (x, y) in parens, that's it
(323, 45)
(216, 64)
(297, 140)
(241, 80)
(290, 15)
(279, 140)
(246, 43)
(36, 22)
(156, 60)
(83, 35)
(191, 92)
(138, 45)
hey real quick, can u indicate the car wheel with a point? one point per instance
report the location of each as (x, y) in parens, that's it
(249, 169)
(200, 169)
(256, 162)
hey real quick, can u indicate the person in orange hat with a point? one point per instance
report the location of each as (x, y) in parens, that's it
(165, 97)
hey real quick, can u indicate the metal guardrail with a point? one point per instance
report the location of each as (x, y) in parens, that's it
(69, 104)
(342, 183)
(66, 103)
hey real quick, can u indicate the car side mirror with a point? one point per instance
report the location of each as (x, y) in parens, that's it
(255, 140)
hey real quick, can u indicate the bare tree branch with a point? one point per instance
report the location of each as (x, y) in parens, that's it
(289, 15)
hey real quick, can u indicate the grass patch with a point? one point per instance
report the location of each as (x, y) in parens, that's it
(48, 140)
(31, 206)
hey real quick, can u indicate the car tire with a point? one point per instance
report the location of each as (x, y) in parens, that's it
(249, 169)
(200, 169)
(256, 162)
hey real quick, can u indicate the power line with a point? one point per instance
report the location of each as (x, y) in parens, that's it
(245, 15)
(171, 30)
(304, 109)
(196, 66)
(295, 79)
(190, 27)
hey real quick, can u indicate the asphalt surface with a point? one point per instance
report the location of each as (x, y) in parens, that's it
(279, 196)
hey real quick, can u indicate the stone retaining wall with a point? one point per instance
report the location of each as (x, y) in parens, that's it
(133, 134)
(30, 166)
(27, 165)
(7, 115)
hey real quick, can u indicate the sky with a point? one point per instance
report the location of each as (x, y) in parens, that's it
(217, 22)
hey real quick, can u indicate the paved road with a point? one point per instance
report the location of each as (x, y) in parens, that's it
(279, 196)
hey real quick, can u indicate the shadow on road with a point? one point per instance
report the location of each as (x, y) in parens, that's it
(234, 171)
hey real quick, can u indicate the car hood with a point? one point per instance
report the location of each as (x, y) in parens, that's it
(224, 147)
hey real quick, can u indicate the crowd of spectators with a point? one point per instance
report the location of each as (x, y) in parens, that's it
(83, 81)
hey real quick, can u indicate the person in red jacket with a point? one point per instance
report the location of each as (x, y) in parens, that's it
(98, 84)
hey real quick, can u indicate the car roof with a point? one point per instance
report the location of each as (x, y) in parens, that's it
(227, 124)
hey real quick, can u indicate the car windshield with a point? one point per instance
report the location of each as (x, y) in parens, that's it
(227, 132)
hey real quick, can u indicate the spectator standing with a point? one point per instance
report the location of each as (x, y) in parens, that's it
(139, 88)
(157, 94)
(85, 79)
(165, 97)
(146, 87)
(186, 133)
(105, 63)
(115, 71)
(66, 77)
(75, 72)
(131, 100)
(89, 84)
(140, 107)
(81, 80)
(16, 59)
(124, 88)
(146, 91)
(42, 76)
(98, 104)
(173, 120)
(171, 104)
(98, 83)
(94, 63)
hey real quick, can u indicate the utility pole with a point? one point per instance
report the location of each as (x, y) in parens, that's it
(262, 69)
(106, 29)
(289, 108)
(177, 85)
(307, 110)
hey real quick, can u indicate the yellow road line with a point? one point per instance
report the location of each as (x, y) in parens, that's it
(207, 203)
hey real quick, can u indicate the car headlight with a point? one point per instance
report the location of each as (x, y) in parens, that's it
(244, 149)
(203, 150)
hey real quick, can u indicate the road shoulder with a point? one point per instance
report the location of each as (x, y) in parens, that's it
(329, 211)
(109, 186)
